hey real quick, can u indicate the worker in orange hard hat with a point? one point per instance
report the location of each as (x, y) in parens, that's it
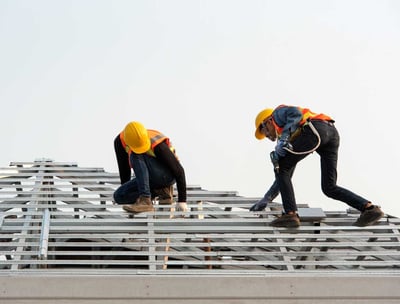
(155, 165)
(299, 132)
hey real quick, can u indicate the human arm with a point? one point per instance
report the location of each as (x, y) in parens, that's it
(288, 118)
(122, 161)
(164, 153)
(269, 196)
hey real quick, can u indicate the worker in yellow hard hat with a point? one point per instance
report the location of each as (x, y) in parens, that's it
(299, 132)
(151, 156)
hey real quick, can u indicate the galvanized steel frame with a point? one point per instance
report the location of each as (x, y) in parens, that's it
(58, 218)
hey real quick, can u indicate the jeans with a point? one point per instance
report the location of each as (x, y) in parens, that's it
(328, 152)
(150, 174)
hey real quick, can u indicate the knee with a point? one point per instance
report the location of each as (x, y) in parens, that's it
(329, 191)
(284, 173)
(117, 197)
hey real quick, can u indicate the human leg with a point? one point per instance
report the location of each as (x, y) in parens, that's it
(289, 218)
(161, 180)
(332, 190)
(152, 178)
(127, 193)
(159, 175)
(370, 214)
(139, 165)
(328, 151)
(136, 192)
(304, 142)
(284, 178)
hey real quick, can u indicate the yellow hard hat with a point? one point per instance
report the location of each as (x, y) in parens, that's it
(259, 119)
(136, 137)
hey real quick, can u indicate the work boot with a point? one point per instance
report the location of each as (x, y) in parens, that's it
(142, 204)
(286, 220)
(369, 217)
(165, 195)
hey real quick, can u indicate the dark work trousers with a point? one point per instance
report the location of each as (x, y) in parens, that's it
(150, 174)
(328, 152)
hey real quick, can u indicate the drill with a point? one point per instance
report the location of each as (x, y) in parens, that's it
(275, 160)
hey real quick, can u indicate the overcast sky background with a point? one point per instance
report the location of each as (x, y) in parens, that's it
(73, 73)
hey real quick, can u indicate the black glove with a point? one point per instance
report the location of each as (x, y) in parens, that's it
(280, 147)
(260, 205)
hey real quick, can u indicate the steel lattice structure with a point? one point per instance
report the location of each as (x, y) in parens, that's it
(59, 218)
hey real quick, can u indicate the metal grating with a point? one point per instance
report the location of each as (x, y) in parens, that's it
(59, 218)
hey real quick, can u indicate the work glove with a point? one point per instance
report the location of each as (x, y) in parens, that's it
(260, 205)
(280, 147)
(182, 207)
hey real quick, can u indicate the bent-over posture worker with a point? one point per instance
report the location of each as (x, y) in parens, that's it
(155, 165)
(299, 132)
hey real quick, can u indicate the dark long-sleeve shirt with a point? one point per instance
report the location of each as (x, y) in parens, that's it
(164, 154)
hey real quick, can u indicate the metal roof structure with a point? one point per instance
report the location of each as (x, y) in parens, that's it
(59, 219)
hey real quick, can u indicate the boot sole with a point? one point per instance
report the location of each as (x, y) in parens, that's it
(290, 225)
(370, 223)
(137, 211)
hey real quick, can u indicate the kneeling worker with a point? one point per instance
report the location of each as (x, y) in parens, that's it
(155, 165)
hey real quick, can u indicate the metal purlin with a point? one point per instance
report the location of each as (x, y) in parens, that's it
(28, 221)
(38, 232)
(44, 235)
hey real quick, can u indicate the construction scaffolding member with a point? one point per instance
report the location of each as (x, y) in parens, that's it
(156, 169)
(299, 132)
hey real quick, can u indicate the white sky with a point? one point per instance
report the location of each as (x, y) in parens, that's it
(73, 73)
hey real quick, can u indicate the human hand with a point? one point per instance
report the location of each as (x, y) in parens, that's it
(281, 147)
(260, 205)
(182, 207)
